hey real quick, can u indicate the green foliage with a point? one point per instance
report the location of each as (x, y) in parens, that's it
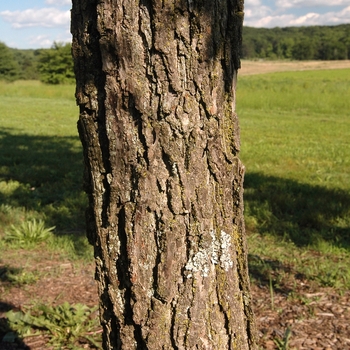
(40, 153)
(56, 65)
(9, 70)
(300, 43)
(27, 62)
(29, 233)
(68, 326)
(72, 245)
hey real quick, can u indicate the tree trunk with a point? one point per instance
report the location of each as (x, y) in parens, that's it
(156, 90)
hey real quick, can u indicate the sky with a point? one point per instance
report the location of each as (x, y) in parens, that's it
(32, 24)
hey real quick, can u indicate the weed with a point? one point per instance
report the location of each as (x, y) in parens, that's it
(66, 325)
(283, 344)
(17, 275)
(29, 233)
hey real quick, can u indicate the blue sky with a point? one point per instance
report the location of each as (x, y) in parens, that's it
(38, 23)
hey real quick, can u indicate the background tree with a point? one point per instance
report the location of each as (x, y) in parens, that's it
(156, 90)
(27, 61)
(55, 65)
(8, 67)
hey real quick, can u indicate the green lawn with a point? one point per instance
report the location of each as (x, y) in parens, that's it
(295, 134)
(296, 125)
(41, 159)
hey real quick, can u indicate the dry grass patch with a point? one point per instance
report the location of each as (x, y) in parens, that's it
(262, 67)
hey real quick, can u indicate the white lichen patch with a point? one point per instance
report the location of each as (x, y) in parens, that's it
(217, 252)
(225, 258)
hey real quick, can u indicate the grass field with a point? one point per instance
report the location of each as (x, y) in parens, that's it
(41, 159)
(295, 132)
(42, 222)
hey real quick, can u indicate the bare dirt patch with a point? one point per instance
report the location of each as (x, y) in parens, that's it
(262, 67)
(316, 319)
(56, 280)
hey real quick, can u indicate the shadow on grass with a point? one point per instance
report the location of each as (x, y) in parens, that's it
(273, 273)
(300, 212)
(43, 174)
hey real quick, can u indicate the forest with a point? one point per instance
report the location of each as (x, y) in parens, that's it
(55, 65)
(297, 43)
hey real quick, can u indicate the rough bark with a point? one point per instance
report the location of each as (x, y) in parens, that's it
(156, 90)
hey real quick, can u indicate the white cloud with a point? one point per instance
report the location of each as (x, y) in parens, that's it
(270, 21)
(252, 3)
(310, 3)
(323, 19)
(46, 41)
(44, 17)
(59, 2)
(254, 11)
(265, 17)
(41, 41)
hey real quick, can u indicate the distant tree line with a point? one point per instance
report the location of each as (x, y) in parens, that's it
(52, 66)
(55, 65)
(297, 43)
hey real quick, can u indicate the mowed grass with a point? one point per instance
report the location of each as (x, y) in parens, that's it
(295, 146)
(295, 135)
(41, 161)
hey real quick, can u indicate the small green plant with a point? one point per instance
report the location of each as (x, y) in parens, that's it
(66, 325)
(17, 276)
(24, 278)
(29, 233)
(283, 344)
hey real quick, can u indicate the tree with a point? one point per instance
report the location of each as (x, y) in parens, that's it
(56, 65)
(8, 67)
(156, 90)
(27, 61)
(304, 49)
